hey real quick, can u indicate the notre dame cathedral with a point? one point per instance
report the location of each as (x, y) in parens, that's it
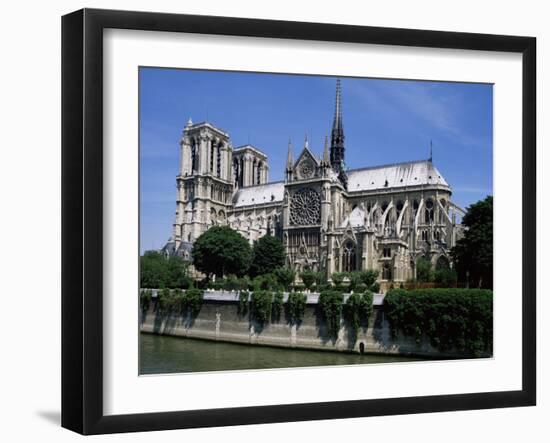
(329, 218)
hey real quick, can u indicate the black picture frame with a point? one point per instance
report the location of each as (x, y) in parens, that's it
(82, 215)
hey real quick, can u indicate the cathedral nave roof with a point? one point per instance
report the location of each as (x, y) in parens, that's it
(260, 194)
(397, 175)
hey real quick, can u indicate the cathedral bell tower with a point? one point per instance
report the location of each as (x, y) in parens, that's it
(204, 183)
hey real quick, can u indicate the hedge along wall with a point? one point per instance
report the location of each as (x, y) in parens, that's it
(460, 319)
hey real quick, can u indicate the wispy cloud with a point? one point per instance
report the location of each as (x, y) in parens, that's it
(424, 101)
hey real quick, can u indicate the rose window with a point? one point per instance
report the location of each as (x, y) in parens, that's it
(305, 207)
(306, 169)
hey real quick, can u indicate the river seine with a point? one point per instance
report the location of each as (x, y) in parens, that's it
(161, 354)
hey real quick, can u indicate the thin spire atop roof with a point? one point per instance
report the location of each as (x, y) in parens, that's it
(326, 154)
(337, 124)
(289, 155)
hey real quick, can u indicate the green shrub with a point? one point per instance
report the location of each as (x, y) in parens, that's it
(265, 282)
(285, 276)
(243, 302)
(231, 283)
(178, 299)
(354, 280)
(445, 277)
(368, 277)
(330, 303)
(375, 288)
(245, 284)
(323, 287)
(165, 301)
(450, 318)
(309, 278)
(296, 306)
(358, 308)
(277, 306)
(193, 300)
(424, 272)
(145, 297)
(338, 278)
(261, 306)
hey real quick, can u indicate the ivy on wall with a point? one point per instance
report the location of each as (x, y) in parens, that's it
(330, 303)
(452, 318)
(172, 301)
(244, 297)
(357, 309)
(145, 297)
(296, 306)
(277, 306)
(261, 306)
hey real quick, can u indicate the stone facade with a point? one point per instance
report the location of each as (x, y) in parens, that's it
(329, 218)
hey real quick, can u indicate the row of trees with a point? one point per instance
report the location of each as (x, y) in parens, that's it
(223, 251)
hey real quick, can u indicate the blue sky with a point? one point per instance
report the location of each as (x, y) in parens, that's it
(385, 121)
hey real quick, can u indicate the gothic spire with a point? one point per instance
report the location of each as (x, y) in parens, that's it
(431, 152)
(289, 155)
(326, 154)
(337, 135)
(337, 123)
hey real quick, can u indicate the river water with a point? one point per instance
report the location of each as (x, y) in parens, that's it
(161, 354)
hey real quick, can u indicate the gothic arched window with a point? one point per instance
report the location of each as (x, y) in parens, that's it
(194, 157)
(442, 211)
(349, 257)
(386, 272)
(429, 213)
(259, 173)
(212, 155)
(219, 161)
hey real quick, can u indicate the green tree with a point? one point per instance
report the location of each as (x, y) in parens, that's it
(221, 250)
(268, 254)
(473, 253)
(424, 272)
(159, 271)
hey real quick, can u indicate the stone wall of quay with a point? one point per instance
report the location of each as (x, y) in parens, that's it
(219, 319)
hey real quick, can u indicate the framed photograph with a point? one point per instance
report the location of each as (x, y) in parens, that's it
(269, 221)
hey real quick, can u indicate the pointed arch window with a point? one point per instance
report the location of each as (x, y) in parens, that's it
(194, 157)
(349, 259)
(219, 161)
(429, 213)
(386, 272)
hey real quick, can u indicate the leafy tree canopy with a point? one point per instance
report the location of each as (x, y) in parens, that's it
(424, 272)
(268, 254)
(473, 254)
(159, 271)
(221, 250)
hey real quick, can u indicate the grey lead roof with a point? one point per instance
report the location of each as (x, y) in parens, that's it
(396, 175)
(260, 194)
